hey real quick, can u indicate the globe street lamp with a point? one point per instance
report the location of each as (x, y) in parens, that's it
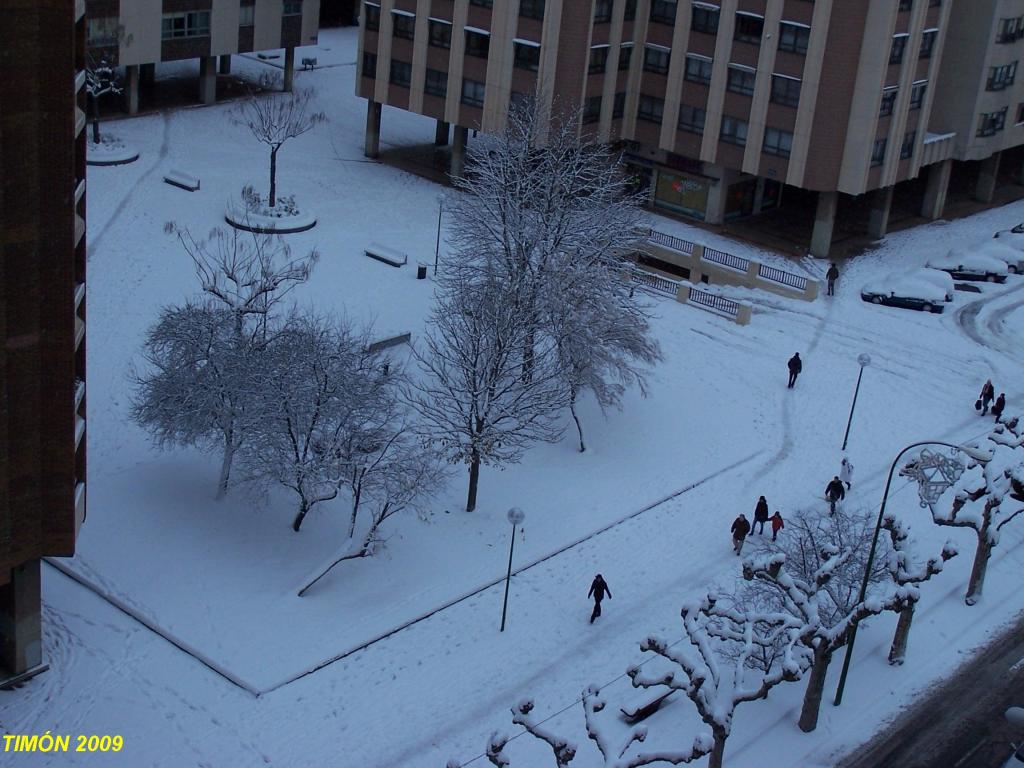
(516, 517)
(935, 474)
(864, 360)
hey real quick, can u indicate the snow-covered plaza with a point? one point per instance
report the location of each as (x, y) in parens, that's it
(177, 624)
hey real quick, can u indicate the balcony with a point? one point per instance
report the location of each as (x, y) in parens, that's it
(79, 429)
(79, 295)
(79, 230)
(79, 330)
(79, 506)
(79, 122)
(79, 393)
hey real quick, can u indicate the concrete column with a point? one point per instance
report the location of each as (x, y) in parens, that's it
(147, 75)
(441, 134)
(371, 147)
(131, 89)
(987, 173)
(758, 195)
(459, 151)
(289, 69)
(21, 631)
(715, 213)
(225, 64)
(934, 202)
(824, 222)
(878, 220)
(208, 79)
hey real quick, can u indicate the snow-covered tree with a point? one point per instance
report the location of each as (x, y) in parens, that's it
(562, 749)
(101, 78)
(273, 118)
(474, 401)
(986, 497)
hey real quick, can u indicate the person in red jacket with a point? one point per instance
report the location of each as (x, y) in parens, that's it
(777, 524)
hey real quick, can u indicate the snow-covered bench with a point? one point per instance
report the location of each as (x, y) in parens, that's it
(183, 180)
(308, 62)
(386, 255)
(644, 704)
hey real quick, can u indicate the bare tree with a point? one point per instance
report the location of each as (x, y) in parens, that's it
(275, 118)
(101, 78)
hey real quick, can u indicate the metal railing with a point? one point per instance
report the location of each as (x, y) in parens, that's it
(777, 275)
(654, 282)
(725, 259)
(669, 241)
(717, 303)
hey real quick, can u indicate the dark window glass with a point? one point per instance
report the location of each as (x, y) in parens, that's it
(401, 73)
(785, 90)
(592, 109)
(704, 20)
(899, 43)
(526, 56)
(906, 5)
(440, 34)
(477, 44)
(888, 100)
(907, 148)
(741, 81)
(692, 119)
(927, 43)
(777, 142)
(531, 9)
(734, 130)
(482, 3)
(793, 38)
(656, 60)
(1010, 30)
(403, 26)
(436, 83)
(371, 16)
(472, 93)
(698, 70)
(992, 122)
(619, 105)
(1001, 77)
(292, 8)
(625, 54)
(369, 64)
(598, 60)
(630, 14)
(663, 11)
(917, 92)
(878, 151)
(650, 108)
(602, 11)
(749, 28)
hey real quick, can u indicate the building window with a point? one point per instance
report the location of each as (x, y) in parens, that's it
(526, 56)
(888, 101)
(927, 43)
(371, 16)
(482, 3)
(101, 31)
(602, 11)
(749, 28)
(917, 92)
(592, 109)
(734, 131)
(369, 64)
(704, 19)
(292, 8)
(598, 59)
(907, 148)
(934, 3)
(531, 9)
(777, 142)
(440, 33)
(625, 55)
(878, 152)
(698, 69)
(436, 83)
(619, 105)
(741, 80)
(906, 5)
(650, 109)
(403, 25)
(899, 43)
(477, 43)
(472, 93)
(190, 24)
(401, 73)
(1010, 30)
(656, 60)
(246, 15)
(691, 119)
(785, 90)
(630, 13)
(1001, 77)
(992, 122)
(794, 37)
(664, 11)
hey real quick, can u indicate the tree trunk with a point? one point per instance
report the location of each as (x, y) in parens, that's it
(815, 690)
(225, 466)
(303, 510)
(95, 120)
(977, 582)
(898, 651)
(718, 752)
(355, 511)
(579, 428)
(272, 200)
(474, 480)
(528, 358)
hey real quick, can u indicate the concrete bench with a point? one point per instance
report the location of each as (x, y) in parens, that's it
(308, 62)
(183, 180)
(386, 255)
(645, 705)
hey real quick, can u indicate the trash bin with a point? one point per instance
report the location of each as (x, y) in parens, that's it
(421, 271)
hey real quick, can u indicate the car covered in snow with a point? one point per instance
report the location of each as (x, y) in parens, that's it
(971, 264)
(914, 290)
(938, 278)
(1010, 240)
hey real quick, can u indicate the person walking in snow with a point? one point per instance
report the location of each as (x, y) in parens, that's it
(761, 514)
(834, 492)
(832, 275)
(988, 393)
(740, 529)
(795, 367)
(777, 524)
(846, 472)
(598, 589)
(999, 405)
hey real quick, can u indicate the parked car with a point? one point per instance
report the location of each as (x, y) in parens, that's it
(1018, 230)
(938, 278)
(910, 291)
(971, 264)
(1015, 717)
(1009, 239)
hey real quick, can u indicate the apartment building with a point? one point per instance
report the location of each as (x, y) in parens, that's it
(719, 105)
(138, 34)
(42, 311)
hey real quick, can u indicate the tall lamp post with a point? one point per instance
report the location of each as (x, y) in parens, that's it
(437, 243)
(516, 517)
(935, 473)
(865, 360)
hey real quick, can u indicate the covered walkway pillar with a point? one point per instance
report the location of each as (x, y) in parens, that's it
(441, 133)
(459, 151)
(937, 186)
(289, 69)
(372, 144)
(131, 89)
(824, 223)
(878, 219)
(985, 189)
(21, 630)
(208, 79)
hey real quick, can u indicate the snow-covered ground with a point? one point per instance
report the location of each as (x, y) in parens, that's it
(719, 429)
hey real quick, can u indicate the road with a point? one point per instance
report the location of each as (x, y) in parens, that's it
(960, 725)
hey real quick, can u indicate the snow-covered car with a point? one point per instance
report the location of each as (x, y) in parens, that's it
(970, 264)
(1015, 717)
(1007, 242)
(938, 278)
(1018, 230)
(909, 291)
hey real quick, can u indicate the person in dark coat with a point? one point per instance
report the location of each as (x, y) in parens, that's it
(795, 367)
(777, 524)
(832, 275)
(999, 405)
(988, 393)
(598, 589)
(834, 492)
(761, 514)
(740, 529)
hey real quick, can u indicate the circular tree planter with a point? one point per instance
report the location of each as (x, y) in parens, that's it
(263, 223)
(110, 151)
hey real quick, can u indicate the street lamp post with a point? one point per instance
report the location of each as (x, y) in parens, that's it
(934, 474)
(864, 360)
(437, 244)
(516, 517)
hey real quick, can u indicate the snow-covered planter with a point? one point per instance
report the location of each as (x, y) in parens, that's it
(252, 213)
(110, 151)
